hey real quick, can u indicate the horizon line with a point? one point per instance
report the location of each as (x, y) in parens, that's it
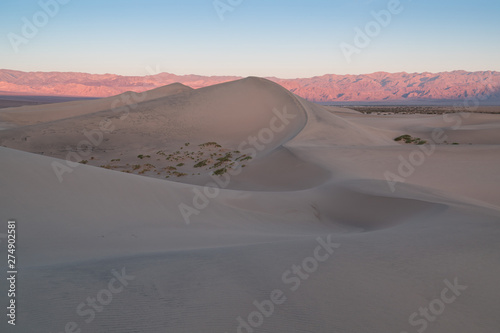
(240, 76)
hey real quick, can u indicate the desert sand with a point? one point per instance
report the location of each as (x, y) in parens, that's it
(330, 226)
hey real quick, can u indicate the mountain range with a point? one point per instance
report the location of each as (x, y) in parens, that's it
(375, 87)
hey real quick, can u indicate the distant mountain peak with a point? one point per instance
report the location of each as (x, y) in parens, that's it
(372, 87)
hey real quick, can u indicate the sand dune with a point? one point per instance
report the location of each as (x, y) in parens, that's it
(30, 115)
(308, 236)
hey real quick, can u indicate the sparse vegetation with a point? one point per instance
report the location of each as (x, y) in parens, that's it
(209, 157)
(406, 138)
(83, 162)
(211, 143)
(201, 164)
(220, 172)
(180, 174)
(226, 157)
(244, 158)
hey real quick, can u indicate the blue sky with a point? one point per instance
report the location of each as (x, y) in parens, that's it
(283, 38)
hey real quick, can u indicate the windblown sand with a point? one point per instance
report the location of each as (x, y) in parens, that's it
(209, 252)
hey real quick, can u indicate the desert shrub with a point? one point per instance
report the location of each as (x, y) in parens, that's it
(201, 164)
(143, 156)
(221, 171)
(135, 167)
(409, 139)
(115, 160)
(403, 138)
(211, 143)
(180, 164)
(83, 162)
(225, 158)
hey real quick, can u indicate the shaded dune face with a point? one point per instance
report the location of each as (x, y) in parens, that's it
(344, 207)
(279, 170)
(357, 208)
(324, 128)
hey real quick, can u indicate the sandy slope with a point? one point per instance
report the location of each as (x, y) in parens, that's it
(29, 115)
(316, 181)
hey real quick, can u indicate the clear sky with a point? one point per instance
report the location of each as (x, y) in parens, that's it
(283, 38)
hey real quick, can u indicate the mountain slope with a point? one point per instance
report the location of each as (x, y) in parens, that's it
(380, 86)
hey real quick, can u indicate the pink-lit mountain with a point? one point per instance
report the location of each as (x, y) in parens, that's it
(375, 87)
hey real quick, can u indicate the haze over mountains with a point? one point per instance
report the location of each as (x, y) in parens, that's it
(375, 87)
